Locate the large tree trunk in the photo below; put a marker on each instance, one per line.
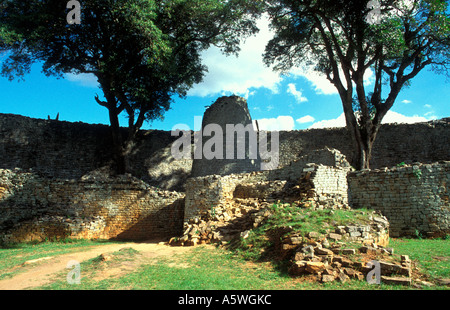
(364, 141)
(119, 154)
(119, 148)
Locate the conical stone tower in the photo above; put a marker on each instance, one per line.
(229, 143)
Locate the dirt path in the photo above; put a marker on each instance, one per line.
(44, 270)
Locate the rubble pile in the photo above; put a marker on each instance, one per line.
(327, 261)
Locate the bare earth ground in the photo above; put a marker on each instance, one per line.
(42, 272)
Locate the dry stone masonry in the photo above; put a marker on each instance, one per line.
(322, 185)
(37, 208)
(55, 180)
(224, 112)
(69, 150)
(415, 198)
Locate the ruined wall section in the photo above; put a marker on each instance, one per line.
(320, 186)
(414, 198)
(71, 150)
(420, 142)
(33, 207)
(232, 110)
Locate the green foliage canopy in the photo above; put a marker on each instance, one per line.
(143, 52)
(342, 40)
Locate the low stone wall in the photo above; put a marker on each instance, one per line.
(329, 186)
(324, 186)
(414, 198)
(33, 207)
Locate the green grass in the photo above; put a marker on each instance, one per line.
(207, 269)
(219, 269)
(304, 220)
(17, 253)
(431, 255)
(259, 244)
(247, 264)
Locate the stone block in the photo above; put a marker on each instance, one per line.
(396, 280)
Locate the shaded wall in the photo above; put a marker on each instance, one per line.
(33, 207)
(71, 150)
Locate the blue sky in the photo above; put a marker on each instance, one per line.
(301, 100)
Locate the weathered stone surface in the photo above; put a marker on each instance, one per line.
(295, 240)
(348, 251)
(413, 198)
(353, 274)
(40, 208)
(327, 278)
(342, 277)
(396, 280)
(323, 251)
(315, 267)
(368, 250)
(390, 268)
(298, 268)
(69, 192)
(335, 236)
(313, 234)
(85, 147)
(225, 112)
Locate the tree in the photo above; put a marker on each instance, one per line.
(343, 39)
(143, 52)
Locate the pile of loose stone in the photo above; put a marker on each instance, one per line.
(342, 254)
(328, 260)
(224, 223)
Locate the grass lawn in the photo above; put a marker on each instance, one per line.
(432, 256)
(244, 267)
(204, 268)
(210, 268)
(16, 254)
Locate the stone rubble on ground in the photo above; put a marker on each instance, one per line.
(326, 257)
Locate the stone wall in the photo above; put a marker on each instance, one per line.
(323, 186)
(33, 207)
(420, 142)
(329, 185)
(414, 198)
(71, 150)
(219, 116)
(54, 180)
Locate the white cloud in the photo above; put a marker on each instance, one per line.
(320, 83)
(281, 123)
(238, 74)
(248, 93)
(406, 101)
(430, 115)
(83, 79)
(305, 119)
(337, 122)
(394, 117)
(296, 93)
(390, 117)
